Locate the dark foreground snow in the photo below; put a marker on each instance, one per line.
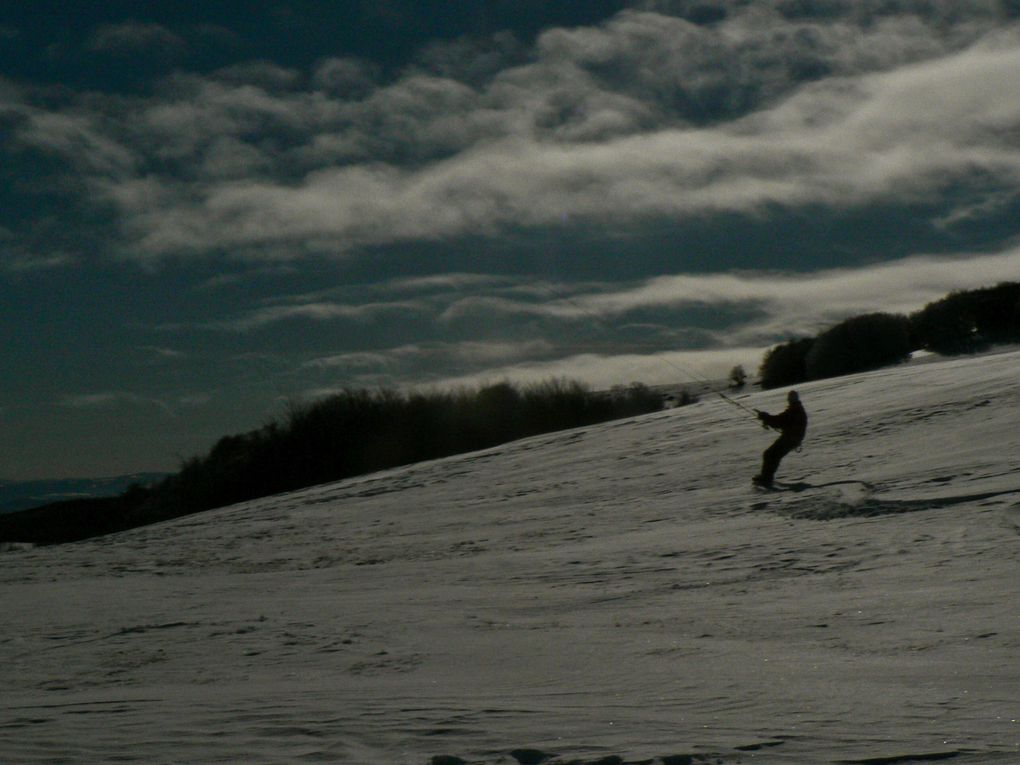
(617, 593)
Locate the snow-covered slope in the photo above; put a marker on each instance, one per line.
(616, 593)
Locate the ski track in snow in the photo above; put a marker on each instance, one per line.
(618, 593)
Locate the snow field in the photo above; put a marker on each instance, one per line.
(617, 593)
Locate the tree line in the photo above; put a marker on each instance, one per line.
(962, 322)
(350, 433)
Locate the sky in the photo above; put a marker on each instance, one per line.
(209, 214)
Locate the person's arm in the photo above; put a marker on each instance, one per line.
(774, 421)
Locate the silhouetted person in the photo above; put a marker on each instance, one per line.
(792, 425)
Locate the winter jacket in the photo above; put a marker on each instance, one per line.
(792, 422)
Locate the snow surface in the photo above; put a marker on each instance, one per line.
(614, 593)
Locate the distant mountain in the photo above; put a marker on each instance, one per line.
(22, 495)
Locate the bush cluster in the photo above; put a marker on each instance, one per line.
(969, 321)
(859, 344)
(347, 434)
(785, 364)
(962, 322)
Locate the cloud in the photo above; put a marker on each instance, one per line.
(746, 312)
(784, 306)
(195, 400)
(648, 117)
(16, 259)
(475, 60)
(893, 137)
(603, 372)
(76, 138)
(251, 107)
(161, 353)
(245, 277)
(114, 400)
(779, 304)
(487, 353)
(428, 360)
(804, 305)
(354, 362)
(346, 78)
(319, 312)
(262, 74)
(131, 38)
(446, 282)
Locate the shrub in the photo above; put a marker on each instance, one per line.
(965, 322)
(634, 399)
(997, 313)
(946, 326)
(858, 344)
(687, 397)
(785, 364)
(738, 377)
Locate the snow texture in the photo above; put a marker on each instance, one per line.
(618, 593)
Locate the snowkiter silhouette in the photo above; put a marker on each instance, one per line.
(792, 425)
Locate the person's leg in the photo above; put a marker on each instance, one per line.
(770, 460)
